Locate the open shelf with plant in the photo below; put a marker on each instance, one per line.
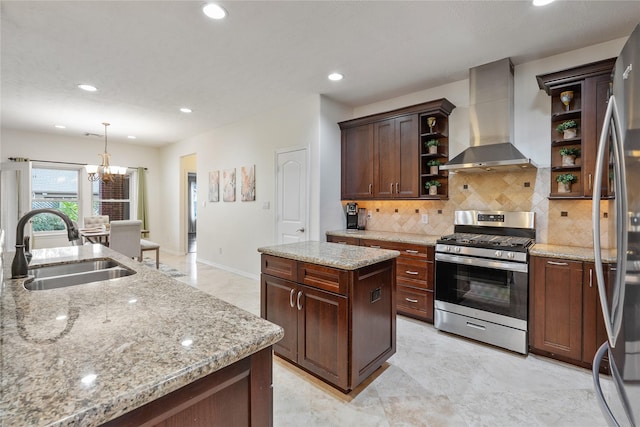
(578, 102)
(434, 152)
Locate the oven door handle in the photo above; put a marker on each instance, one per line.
(482, 262)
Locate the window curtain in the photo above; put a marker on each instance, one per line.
(143, 213)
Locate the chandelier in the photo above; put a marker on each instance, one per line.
(104, 172)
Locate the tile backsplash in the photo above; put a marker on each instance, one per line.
(561, 222)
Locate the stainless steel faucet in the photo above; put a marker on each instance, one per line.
(20, 263)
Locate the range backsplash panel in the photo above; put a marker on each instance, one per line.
(560, 222)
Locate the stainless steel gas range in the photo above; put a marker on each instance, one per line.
(482, 277)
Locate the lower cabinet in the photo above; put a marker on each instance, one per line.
(339, 325)
(414, 274)
(565, 320)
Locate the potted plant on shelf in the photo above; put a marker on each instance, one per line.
(432, 186)
(434, 164)
(432, 146)
(564, 182)
(569, 128)
(569, 155)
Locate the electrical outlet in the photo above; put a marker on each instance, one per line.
(425, 219)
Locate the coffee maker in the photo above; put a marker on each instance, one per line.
(352, 216)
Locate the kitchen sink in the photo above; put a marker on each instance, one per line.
(78, 273)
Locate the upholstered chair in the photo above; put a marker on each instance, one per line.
(124, 237)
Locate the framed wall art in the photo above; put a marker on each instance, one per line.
(229, 185)
(248, 183)
(214, 186)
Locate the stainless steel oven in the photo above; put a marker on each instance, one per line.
(482, 278)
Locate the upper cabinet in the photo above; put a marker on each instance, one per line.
(387, 155)
(578, 103)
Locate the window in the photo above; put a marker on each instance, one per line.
(112, 198)
(54, 189)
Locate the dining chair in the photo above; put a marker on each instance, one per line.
(97, 221)
(124, 237)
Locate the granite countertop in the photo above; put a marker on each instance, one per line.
(131, 333)
(389, 236)
(575, 253)
(344, 257)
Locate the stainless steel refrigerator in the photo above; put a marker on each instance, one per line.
(620, 141)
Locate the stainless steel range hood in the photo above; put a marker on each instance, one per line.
(491, 121)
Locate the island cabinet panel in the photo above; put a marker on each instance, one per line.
(339, 324)
(238, 395)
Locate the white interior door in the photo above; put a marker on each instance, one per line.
(15, 198)
(292, 196)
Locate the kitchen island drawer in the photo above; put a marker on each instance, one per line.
(414, 302)
(321, 277)
(279, 267)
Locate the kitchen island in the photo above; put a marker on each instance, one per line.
(336, 304)
(141, 348)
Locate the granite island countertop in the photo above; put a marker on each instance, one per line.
(345, 257)
(389, 236)
(141, 336)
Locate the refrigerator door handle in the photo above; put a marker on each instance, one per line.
(613, 317)
(604, 406)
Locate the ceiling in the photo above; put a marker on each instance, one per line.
(149, 58)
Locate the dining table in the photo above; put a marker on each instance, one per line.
(100, 234)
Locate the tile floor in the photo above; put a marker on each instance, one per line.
(434, 379)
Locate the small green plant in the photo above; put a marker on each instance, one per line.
(432, 143)
(569, 124)
(433, 183)
(434, 163)
(566, 178)
(570, 151)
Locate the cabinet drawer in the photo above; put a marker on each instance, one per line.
(279, 267)
(407, 250)
(321, 277)
(414, 302)
(415, 271)
(344, 240)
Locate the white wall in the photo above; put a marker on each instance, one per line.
(229, 233)
(64, 148)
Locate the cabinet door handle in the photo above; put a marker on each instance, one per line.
(591, 277)
(411, 300)
(414, 273)
(370, 187)
(298, 300)
(590, 182)
(293, 291)
(391, 188)
(557, 263)
(411, 251)
(397, 188)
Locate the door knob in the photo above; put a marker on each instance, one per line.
(300, 230)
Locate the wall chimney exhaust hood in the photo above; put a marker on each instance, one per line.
(491, 121)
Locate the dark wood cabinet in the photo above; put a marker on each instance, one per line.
(386, 155)
(357, 162)
(589, 87)
(339, 325)
(396, 157)
(240, 394)
(414, 274)
(565, 316)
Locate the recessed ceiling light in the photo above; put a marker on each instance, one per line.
(186, 110)
(214, 11)
(131, 137)
(60, 126)
(335, 77)
(88, 88)
(541, 2)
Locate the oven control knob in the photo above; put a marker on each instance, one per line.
(510, 255)
(498, 254)
(457, 249)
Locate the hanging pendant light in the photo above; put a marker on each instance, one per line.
(104, 172)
